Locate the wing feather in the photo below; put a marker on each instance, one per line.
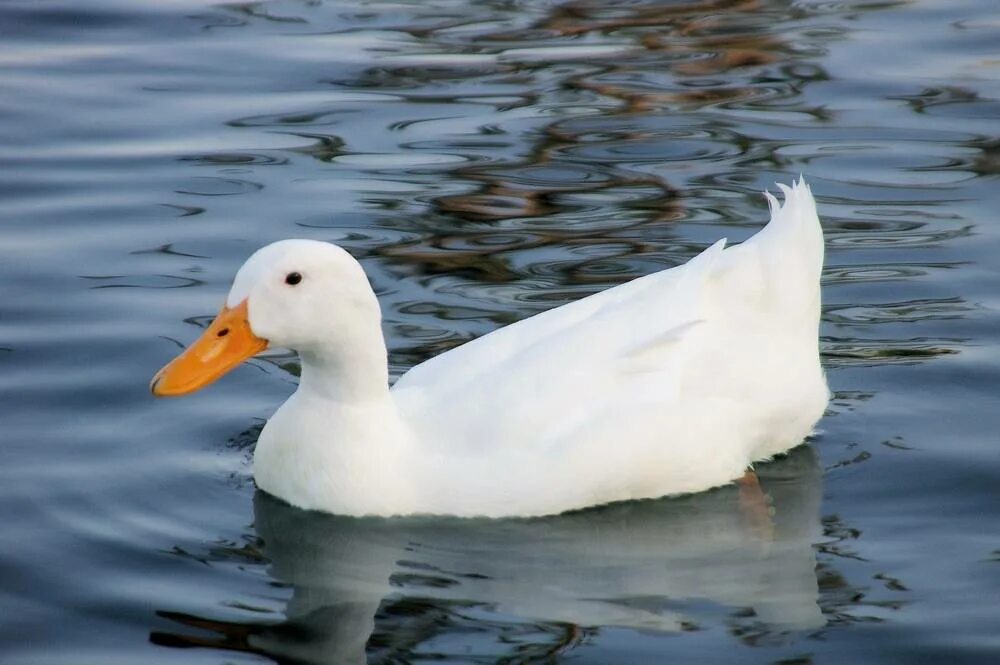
(560, 366)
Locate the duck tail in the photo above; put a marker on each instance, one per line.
(795, 227)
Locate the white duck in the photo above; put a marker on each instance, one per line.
(674, 382)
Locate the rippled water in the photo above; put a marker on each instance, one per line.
(489, 160)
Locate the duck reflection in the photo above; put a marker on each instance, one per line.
(373, 588)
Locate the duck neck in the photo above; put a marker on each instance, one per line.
(354, 372)
(338, 444)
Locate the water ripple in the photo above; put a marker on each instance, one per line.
(487, 161)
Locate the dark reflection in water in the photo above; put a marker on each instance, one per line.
(396, 589)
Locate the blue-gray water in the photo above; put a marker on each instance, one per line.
(488, 160)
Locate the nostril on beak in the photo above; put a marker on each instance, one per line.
(222, 333)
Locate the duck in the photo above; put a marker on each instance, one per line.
(672, 383)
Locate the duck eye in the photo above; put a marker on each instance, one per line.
(293, 278)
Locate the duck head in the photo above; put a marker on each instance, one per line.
(309, 296)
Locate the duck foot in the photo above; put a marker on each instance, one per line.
(755, 505)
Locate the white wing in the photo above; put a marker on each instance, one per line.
(697, 334)
(545, 375)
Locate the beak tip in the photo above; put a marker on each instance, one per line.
(158, 387)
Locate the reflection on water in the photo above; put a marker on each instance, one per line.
(399, 588)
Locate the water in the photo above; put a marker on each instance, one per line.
(487, 161)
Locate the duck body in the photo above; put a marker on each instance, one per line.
(672, 383)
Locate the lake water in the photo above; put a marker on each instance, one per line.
(488, 160)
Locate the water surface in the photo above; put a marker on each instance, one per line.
(487, 161)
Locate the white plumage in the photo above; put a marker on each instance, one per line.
(671, 383)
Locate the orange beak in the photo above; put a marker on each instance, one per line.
(224, 345)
